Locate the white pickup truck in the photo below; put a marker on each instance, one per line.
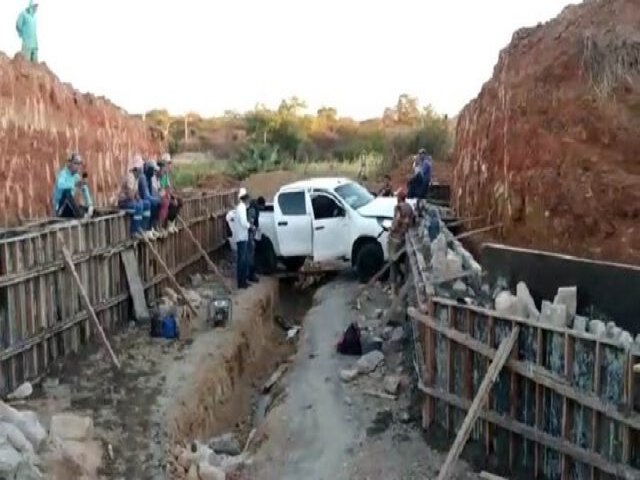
(325, 219)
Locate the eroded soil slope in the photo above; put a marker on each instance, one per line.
(42, 120)
(550, 146)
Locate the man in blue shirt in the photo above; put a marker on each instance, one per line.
(64, 192)
(26, 28)
(424, 160)
(150, 215)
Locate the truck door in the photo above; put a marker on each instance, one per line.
(331, 238)
(292, 214)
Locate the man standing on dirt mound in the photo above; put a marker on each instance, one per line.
(26, 28)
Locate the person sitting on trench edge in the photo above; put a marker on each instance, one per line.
(129, 198)
(64, 193)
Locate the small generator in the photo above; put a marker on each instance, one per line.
(219, 311)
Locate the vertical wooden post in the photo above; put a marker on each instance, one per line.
(502, 355)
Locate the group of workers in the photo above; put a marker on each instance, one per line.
(244, 228)
(146, 193)
(404, 215)
(418, 182)
(26, 28)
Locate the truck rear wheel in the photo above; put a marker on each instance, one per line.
(266, 261)
(369, 260)
(293, 264)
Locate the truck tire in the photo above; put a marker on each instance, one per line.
(267, 262)
(370, 259)
(293, 264)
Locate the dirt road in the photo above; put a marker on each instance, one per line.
(326, 429)
(312, 433)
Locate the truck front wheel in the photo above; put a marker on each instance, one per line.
(369, 261)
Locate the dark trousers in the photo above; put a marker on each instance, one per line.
(242, 263)
(69, 208)
(174, 209)
(251, 257)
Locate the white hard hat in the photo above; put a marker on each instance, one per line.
(242, 192)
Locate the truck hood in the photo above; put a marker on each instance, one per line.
(381, 207)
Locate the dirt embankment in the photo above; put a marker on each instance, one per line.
(42, 120)
(550, 146)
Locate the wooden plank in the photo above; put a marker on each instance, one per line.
(135, 285)
(474, 410)
(537, 374)
(170, 276)
(618, 470)
(88, 306)
(477, 231)
(595, 417)
(490, 476)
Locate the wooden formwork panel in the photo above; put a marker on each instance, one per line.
(562, 408)
(42, 317)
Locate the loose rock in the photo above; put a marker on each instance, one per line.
(23, 391)
(348, 376)
(369, 362)
(392, 384)
(395, 343)
(526, 302)
(68, 426)
(209, 472)
(226, 444)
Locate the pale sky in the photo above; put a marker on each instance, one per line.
(210, 56)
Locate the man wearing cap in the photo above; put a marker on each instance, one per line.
(241, 230)
(129, 198)
(26, 28)
(149, 216)
(175, 202)
(424, 160)
(64, 192)
(403, 218)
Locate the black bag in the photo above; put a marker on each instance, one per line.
(156, 325)
(350, 343)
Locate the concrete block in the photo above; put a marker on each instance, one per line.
(553, 314)
(626, 340)
(567, 296)
(597, 328)
(580, 323)
(506, 303)
(527, 304)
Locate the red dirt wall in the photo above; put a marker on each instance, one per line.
(551, 145)
(41, 121)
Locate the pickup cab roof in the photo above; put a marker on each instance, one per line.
(328, 183)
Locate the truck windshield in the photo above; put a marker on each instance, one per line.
(354, 195)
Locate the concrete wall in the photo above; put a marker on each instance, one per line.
(613, 289)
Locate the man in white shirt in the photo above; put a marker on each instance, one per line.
(241, 234)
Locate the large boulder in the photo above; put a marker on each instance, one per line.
(549, 146)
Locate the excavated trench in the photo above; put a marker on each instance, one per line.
(170, 393)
